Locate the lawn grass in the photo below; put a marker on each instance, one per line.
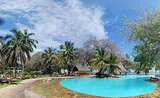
(14, 81)
(3, 85)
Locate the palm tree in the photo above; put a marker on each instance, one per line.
(28, 41)
(2, 42)
(17, 49)
(126, 62)
(67, 55)
(100, 61)
(4, 38)
(112, 61)
(49, 58)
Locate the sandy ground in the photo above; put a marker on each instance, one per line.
(31, 88)
(55, 90)
(18, 91)
(22, 89)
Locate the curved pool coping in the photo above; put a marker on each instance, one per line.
(107, 79)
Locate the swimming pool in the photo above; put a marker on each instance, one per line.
(122, 87)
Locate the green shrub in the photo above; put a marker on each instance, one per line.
(8, 72)
(24, 73)
(36, 73)
(1, 72)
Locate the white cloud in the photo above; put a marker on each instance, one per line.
(55, 21)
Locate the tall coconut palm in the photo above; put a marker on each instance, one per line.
(4, 38)
(126, 62)
(28, 41)
(112, 61)
(100, 61)
(2, 42)
(49, 58)
(17, 49)
(67, 55)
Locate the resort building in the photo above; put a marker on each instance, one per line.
(81, 70)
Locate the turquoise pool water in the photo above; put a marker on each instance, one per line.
(122, 87)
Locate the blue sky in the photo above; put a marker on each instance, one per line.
(54, 21)
(115, 11)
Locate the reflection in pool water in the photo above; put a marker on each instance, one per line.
(122, 87)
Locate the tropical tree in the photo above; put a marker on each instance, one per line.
(100, 61)
(145, 29)
(66, 53)
(28, 40)
(126, 61)
(31, 43)
(80, 56)
(145, 58)
(49, 58)
(112, 61)
(106, 44)
(138, 67)
(17, 49)
(91, 45)
(2, 61)
(2, 42)
(4, 38)
(35, 63)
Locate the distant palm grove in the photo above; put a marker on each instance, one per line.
(17, 47)
(101, 55)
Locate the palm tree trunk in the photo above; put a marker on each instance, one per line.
(155, 73)
(10, 77)
(99, 74)
(69, 70)
(22, 70)
(15, 72)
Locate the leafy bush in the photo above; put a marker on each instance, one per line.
(1, 72)
(36, 73)
(25, 75)
(8, 72)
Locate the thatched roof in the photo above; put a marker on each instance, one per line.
(81, 68)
